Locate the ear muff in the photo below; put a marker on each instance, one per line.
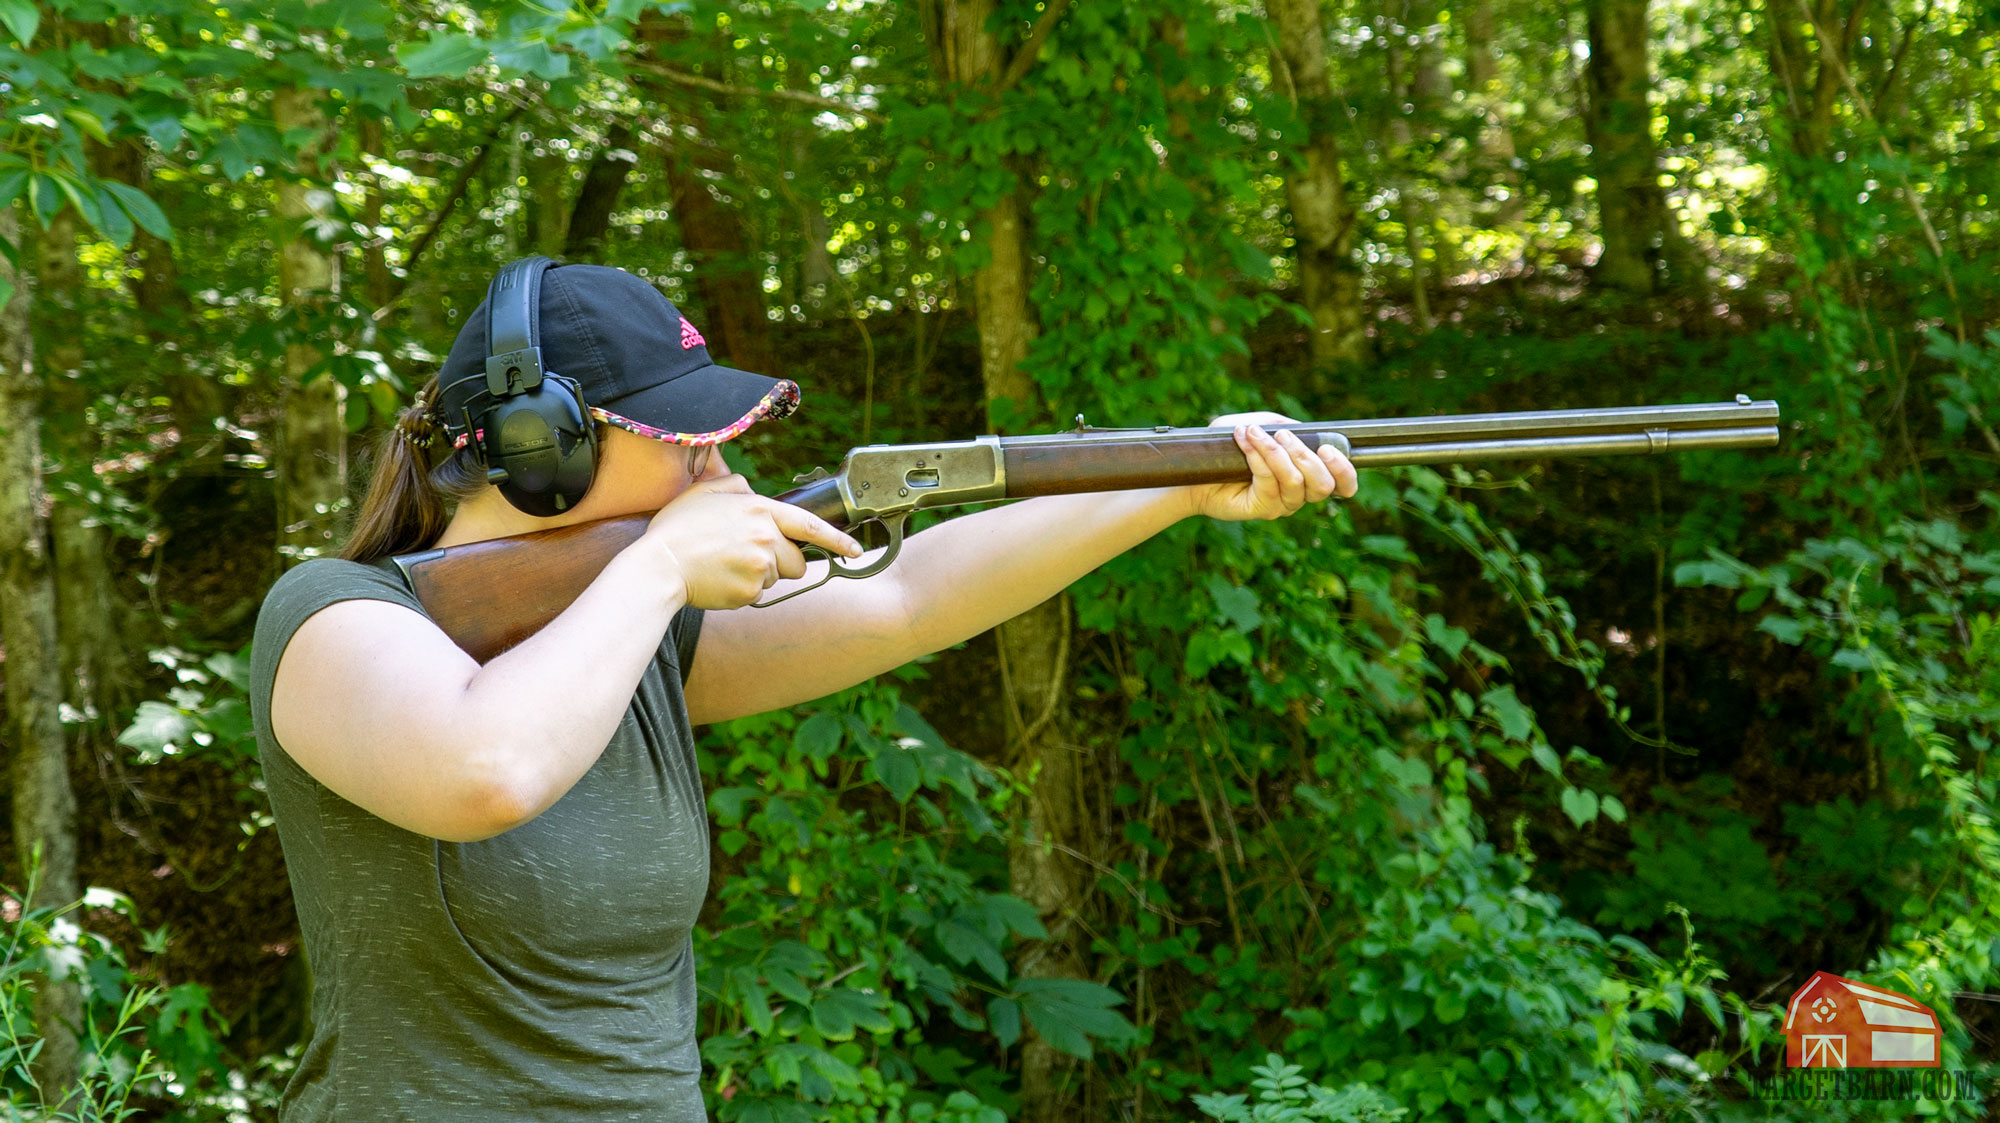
(544, 443)
(535, 435)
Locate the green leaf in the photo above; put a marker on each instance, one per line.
(45, 198)
(11, 185)
(1234, 604)
(964, 945)
(1019, 916)
(1449, 1007)
(1547, 758)
(142, 208)
(1069, 1012)
(1004, 1015)
(726, 804)
(1706, 573)
(21, 18)
(531, 57)
(157, 729)
(818, 736)
(839, 1011)
(1786, 629)
(1516, 723)
(447, 55)
(1579, 805)
(113, 222)
(897, 768)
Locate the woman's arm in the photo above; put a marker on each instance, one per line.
(963, 576)
(380, 706)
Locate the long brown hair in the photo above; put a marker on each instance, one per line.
(405, 508)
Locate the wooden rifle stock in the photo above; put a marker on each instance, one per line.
(489, 596)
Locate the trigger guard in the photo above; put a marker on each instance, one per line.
(892, 523)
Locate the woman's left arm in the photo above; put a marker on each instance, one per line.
(968, 574)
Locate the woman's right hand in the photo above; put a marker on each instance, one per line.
(728, 544)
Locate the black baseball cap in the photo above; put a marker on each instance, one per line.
(639, 363)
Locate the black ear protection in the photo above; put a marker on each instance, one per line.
(532, 431)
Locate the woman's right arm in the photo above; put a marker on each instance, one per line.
(375, 702)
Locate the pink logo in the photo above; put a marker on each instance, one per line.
(689, 337)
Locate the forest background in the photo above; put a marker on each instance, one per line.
(1524, 793)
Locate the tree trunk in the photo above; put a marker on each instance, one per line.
(1496, 135)
(1641, 239)
(815, 275)
(44, 804)
(312, 430)
(380, 288)
(93, 636)
(548, 222)
(590, 218)
(165, 312)
(726, 275)
(1403, 92)
(728, 278)
(1322, 217)
(1033, 647)
(1810, 91)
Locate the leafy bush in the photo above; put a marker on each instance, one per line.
(1284, 1096)
(136, 1038)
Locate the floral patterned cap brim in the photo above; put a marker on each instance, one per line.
(779, 402)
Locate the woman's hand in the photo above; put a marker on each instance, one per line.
(1284, 474)
(728, 544)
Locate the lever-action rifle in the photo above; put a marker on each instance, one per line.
(544, 572)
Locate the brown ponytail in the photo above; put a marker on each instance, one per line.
(405, 507)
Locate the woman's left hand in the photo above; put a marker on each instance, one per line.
(1284, 474)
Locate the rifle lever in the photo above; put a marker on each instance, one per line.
(892, 523)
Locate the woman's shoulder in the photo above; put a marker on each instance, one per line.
(312, 585)
(334, 579)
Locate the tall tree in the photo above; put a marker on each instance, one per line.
(728, 277)
(312, 441)
(93, 634)
(1641, 239)
(1417, 87)
(1496, 132)
(597, 197)
(164, 312)
(1322, 216)
(44, 804)
(1033, 648)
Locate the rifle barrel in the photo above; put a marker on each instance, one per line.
(1085, 459)
(1566, 444)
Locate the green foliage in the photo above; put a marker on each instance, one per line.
(1284, 1096)
(1378, 785)
(136, 1038)
(861, 934)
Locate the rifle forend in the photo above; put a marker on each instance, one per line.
(543, 572)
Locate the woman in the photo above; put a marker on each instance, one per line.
(497, 868)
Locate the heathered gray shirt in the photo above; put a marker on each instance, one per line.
(543, 974)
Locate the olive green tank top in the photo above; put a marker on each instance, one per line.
(543, 974)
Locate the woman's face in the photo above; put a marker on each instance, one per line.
(639, 474)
